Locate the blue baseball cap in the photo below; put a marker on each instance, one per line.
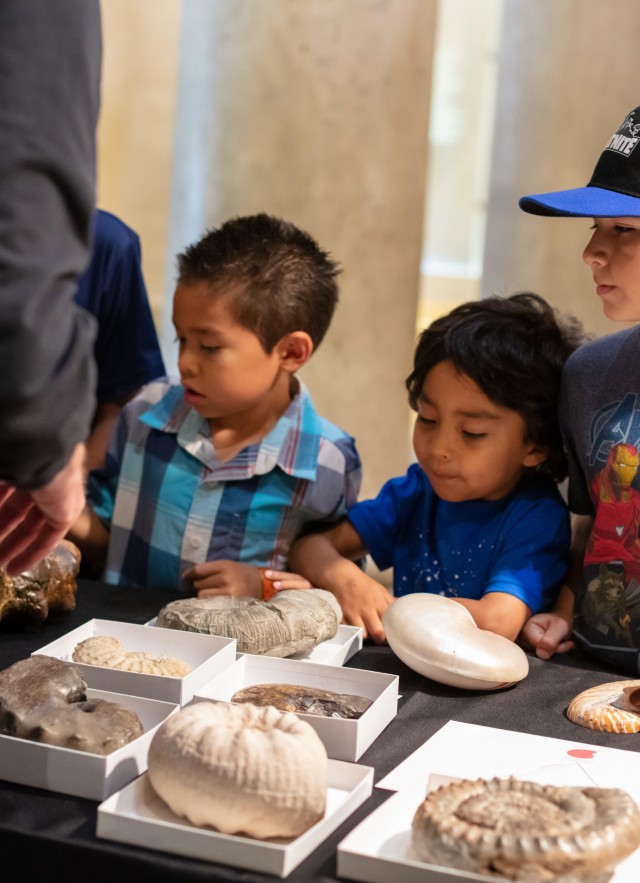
(614, 188)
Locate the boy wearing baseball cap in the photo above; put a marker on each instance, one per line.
(600, 420)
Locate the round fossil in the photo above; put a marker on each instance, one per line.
(438, 638)
(527, 832)
(293, 621)
(240, 769)
(610, 707)
(108, 652)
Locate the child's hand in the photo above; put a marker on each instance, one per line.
(283, 580)
(213, 578)
(363, 601)
(548, 633)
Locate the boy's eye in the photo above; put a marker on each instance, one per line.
(619, 228)
(426, 420)
(474, 435)
(208, 349)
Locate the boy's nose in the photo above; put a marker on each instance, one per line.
(186, 364)
(595, 252)
(441, 445)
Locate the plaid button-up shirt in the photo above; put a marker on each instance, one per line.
(169, 503)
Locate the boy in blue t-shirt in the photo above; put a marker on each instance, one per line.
(479, 517)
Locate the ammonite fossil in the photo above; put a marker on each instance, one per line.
(294, 621)
(241, 769)
(527, 832)
(611, 707)
(438, 638)
(44, 699)
(108, 651)
(309, 700)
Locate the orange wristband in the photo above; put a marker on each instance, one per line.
(268, 592)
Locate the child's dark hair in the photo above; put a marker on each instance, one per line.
(513, 349)
(277, 278)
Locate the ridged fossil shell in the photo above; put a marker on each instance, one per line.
(525, 831)
(309, 700)
(44, 699)
(608, 707)
(292, 622)
(438, 638)
(108, 651)
(240, 769)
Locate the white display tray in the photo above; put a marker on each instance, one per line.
(343, 739)
(136, 815)
(334, 651)
(68, 771)
(379, 849)
(206, 654)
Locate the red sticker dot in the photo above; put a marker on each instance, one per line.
(580, 752)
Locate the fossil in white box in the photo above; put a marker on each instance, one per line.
(240, 769)
(108, 652)
(526, 831)
(292, 622)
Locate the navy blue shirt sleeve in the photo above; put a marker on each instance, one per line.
(113, 290)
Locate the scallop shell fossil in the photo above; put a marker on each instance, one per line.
(241, 769)
(438, 638)
(294, 621)
(525, 831)
(611, 707)
(108, 652)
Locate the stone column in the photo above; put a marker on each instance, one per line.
(568, 75)
(317, 111)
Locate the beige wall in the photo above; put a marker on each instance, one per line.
(569, 72)
(135, 132)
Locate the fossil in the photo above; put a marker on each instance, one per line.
(527, 832)
(611, 707)
(294, 621)
(309, 700)
(49, 585)
(108, 651)
(438, 638)
(44, 699)
(240, 769)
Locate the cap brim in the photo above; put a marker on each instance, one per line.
(583, 202)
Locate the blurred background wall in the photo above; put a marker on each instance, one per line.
(399, 133)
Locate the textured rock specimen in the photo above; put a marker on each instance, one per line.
(108, 652)
(293, 621)
(310, 700)
(44, 699)
(49, 585)
(240, 769)
(527, 832)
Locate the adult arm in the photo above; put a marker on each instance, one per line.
(49, 96)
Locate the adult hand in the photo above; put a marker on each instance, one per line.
(548, 633)
(32, 522)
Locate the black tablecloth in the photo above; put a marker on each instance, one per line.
(52, 836)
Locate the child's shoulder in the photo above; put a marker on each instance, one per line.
(601, 350)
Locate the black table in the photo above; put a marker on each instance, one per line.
(51, 836)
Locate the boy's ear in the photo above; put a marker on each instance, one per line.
(535, 456)
(295, 350)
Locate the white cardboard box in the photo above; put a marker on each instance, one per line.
(136, 815)
(343, 739)
(379, 849)
(206, 654)
(334, 651)
(68, 771)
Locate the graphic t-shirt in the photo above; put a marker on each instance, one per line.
(600, 416)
